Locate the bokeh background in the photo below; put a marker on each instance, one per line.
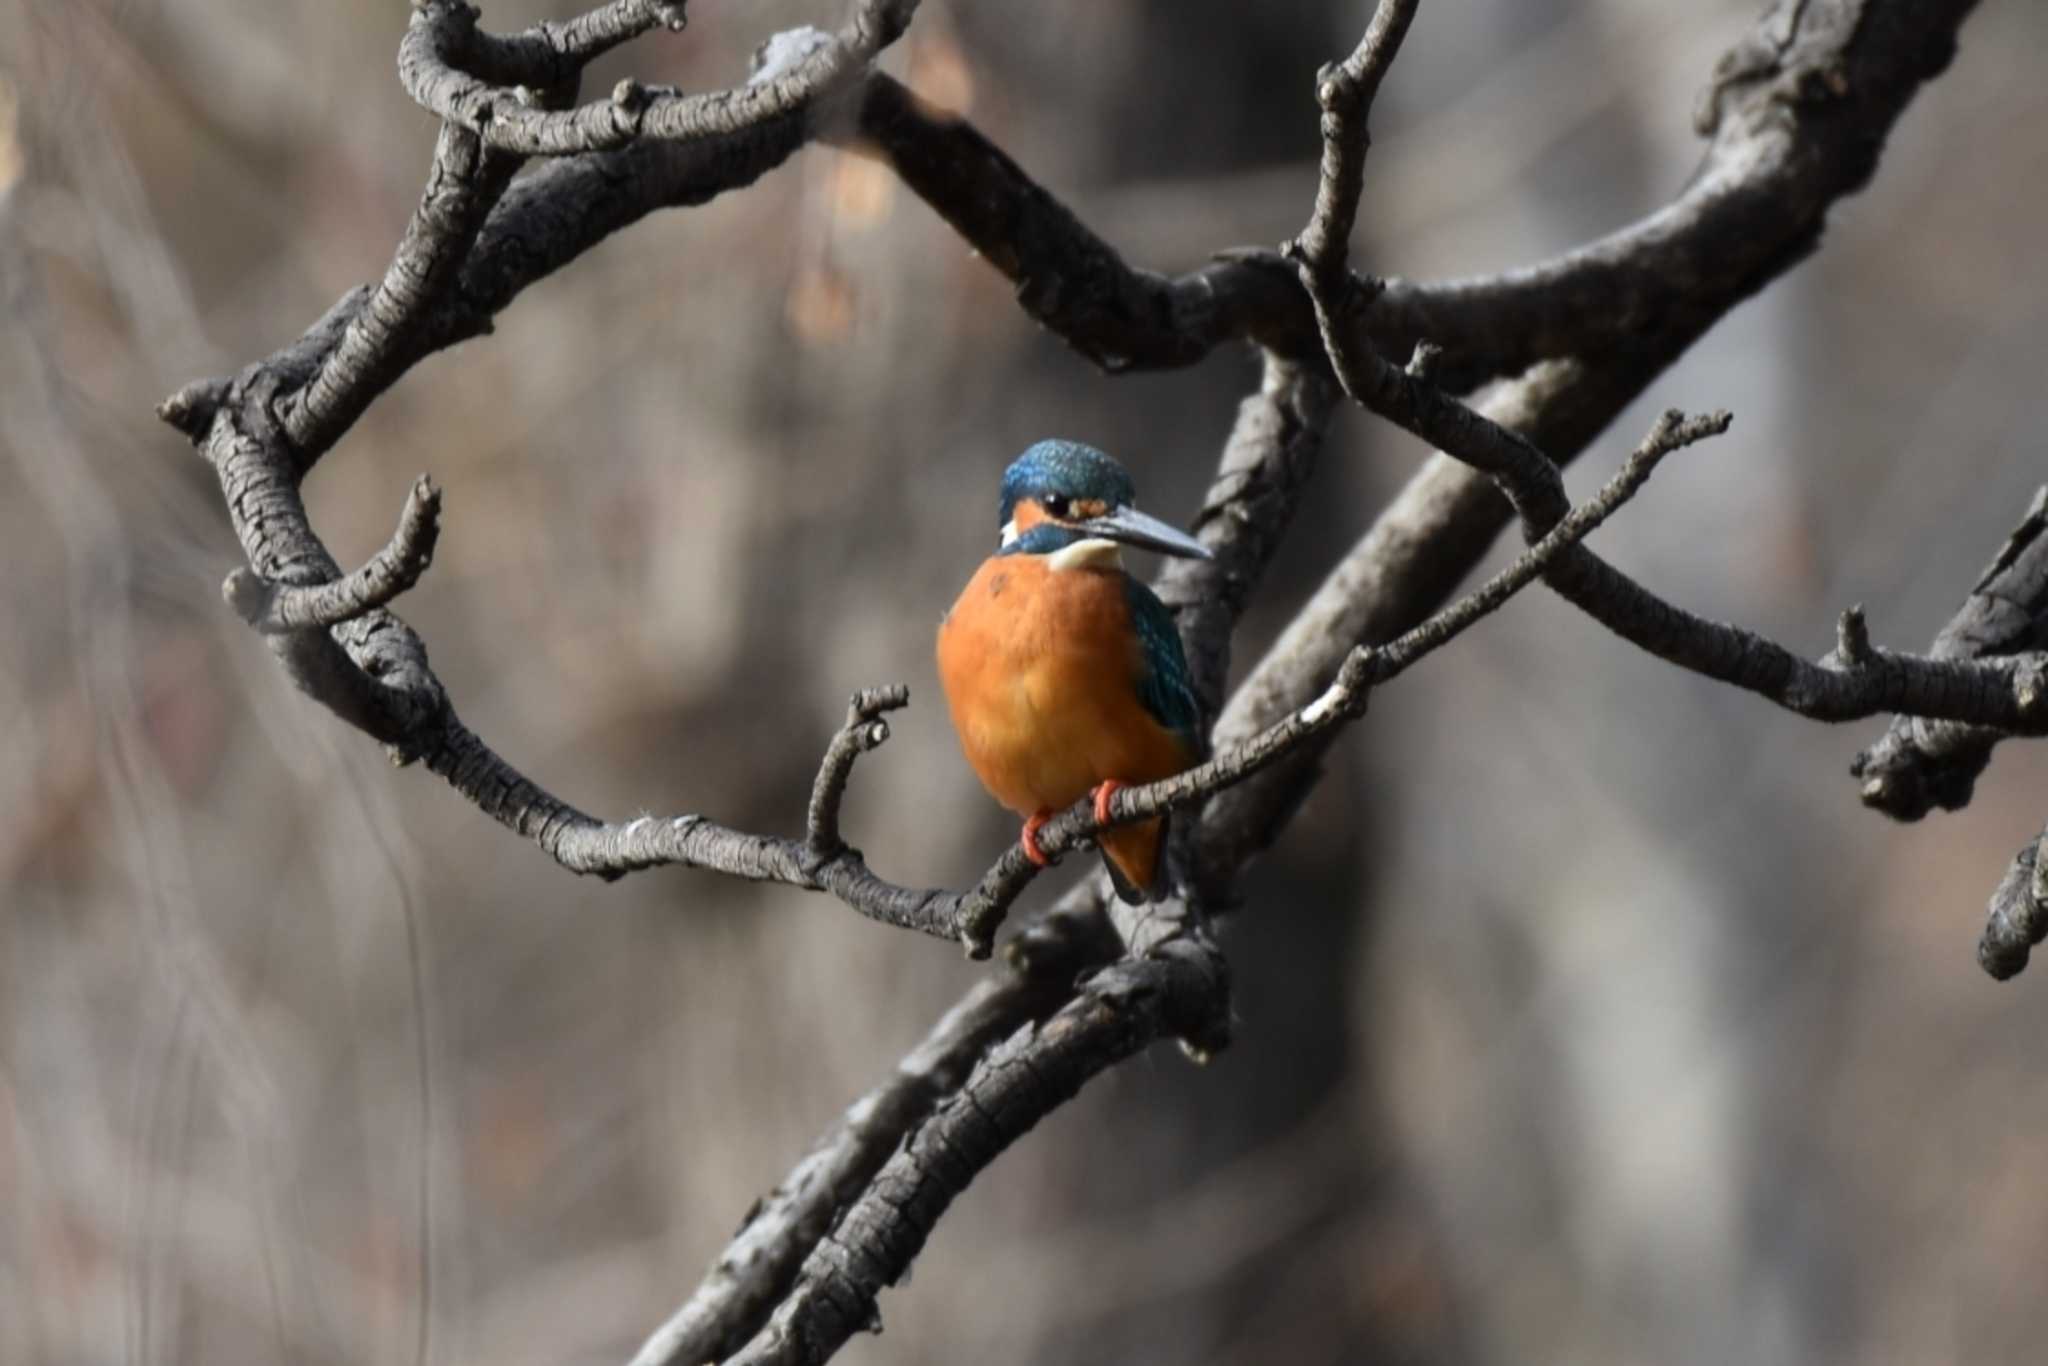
(1583, 1015)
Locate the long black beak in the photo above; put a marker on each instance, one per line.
(1133, 527)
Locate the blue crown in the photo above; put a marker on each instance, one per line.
(1065, 469)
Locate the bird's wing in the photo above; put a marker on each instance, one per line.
(1163, 682)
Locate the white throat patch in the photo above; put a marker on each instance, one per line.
(1093, 553)
(1009, 532)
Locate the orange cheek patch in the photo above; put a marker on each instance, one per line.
(1029, 515)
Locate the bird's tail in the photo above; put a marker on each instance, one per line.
(1135, 856)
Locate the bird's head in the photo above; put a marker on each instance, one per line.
(1062, 496)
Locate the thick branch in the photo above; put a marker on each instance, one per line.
(1119, 1011)
(1918, 764)
(1799, 111)
(757, 1269)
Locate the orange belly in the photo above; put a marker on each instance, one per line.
(1041, 671)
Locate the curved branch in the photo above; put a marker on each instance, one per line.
(865, 730)
(1796, 115)
(433, 64)
(274, 609)
(553, 54)
(2010, 693)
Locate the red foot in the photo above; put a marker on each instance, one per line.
(1030, 839)
(1102, 795)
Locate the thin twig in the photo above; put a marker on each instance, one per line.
(865, 730)
(274, 608)
(1345, 91)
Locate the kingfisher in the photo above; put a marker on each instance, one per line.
(1063, 673)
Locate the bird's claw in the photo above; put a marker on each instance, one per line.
(1102, 795)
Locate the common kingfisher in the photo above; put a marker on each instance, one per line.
(1063, 673)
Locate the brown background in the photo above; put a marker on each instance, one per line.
(1582, 1016)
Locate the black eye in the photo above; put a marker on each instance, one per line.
(1056, 506)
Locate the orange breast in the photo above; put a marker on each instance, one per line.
(1041, 671)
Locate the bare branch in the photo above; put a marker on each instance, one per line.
(274, 609)
(552, 54)
(1067, 277)
(2008, 693)
(1345, 91)
(433, 66)
(1918, 764)
(760, 1265)
(1272, 452)
(1790, 137)
(1119, 1011)
(376, 347)
(864, 730)
(2017, 918)
(1673, 432)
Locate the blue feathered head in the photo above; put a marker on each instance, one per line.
(1060, 474)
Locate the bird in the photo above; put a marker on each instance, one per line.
(1063, 674)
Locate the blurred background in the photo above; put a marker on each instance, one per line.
(1583, 1015)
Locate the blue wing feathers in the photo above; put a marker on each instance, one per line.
(1163, 685)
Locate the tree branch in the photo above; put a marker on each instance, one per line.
(380, 339)
(433, 64)
(1919, 764)
(1346, 92)
(757, 1269)
(1119, 1011)
(1796, 116)
(2017, 918)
